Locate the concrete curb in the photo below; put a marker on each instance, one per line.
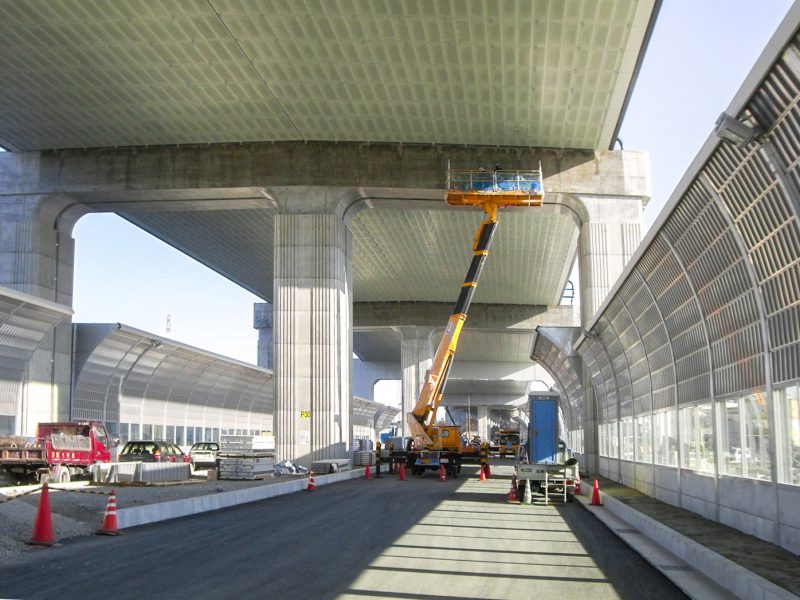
(152, 513)
(734, 578)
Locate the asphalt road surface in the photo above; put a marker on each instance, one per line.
(419, 539)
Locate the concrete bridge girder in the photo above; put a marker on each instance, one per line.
(298, 187)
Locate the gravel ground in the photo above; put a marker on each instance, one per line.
(77, 513)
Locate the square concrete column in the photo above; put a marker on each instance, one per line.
(416, 357)
(483, 422)
(262, 322)
(609, 236)
(37, 254)
(313, 337)
(607, 241)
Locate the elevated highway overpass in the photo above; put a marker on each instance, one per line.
(311, 170)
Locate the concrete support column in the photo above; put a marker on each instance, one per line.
(483, 422)
(591, 426)
(608, 238)
(416, 357)
(262, 322)
(313, 336)
(611, 230)
(37, 255)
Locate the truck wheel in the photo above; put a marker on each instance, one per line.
(520, 491)
(570, 497)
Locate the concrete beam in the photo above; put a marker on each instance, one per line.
(352, 164)
(481, 316)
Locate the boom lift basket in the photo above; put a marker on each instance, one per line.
(513, 187)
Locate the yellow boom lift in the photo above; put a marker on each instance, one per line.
(435, 445)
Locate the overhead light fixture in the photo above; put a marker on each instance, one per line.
(734, 131)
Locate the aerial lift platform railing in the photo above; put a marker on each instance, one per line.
(488, 190)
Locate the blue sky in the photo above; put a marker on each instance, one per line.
(700, 53)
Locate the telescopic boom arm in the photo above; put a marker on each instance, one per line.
(489, 191)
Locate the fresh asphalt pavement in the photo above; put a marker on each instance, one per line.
(384, 538)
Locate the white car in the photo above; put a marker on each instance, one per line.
(203, 455)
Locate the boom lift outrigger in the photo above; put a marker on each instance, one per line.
(441, 445)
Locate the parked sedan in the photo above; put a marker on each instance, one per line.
(151, 451)
(203, 455)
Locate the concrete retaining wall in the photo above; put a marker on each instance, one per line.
(151, 513)
(759, 508)
(736, 579)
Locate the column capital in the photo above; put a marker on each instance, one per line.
(408, 332)
(596, 208)
(340, 201)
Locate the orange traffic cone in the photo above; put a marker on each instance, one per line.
(312, 483)
(43, 526)
(110, 519)
(402, 471)
(366, 473)
(483, 473)
(488, 471)
(596, 494)
(441, 473)
(512, 493)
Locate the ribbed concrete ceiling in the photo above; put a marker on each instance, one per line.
(398, 255)
(89, 73)
(540, 73)
(423, 255)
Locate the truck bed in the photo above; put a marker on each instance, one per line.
(11, 455)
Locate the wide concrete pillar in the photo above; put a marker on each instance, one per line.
(416, 357)
(610, 233)
(313, 337)
(37, 256)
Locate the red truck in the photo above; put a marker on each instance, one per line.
(60, 452)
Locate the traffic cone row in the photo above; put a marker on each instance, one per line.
(312, 483)
(43, 524)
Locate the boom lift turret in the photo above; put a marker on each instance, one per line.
(436, 445)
